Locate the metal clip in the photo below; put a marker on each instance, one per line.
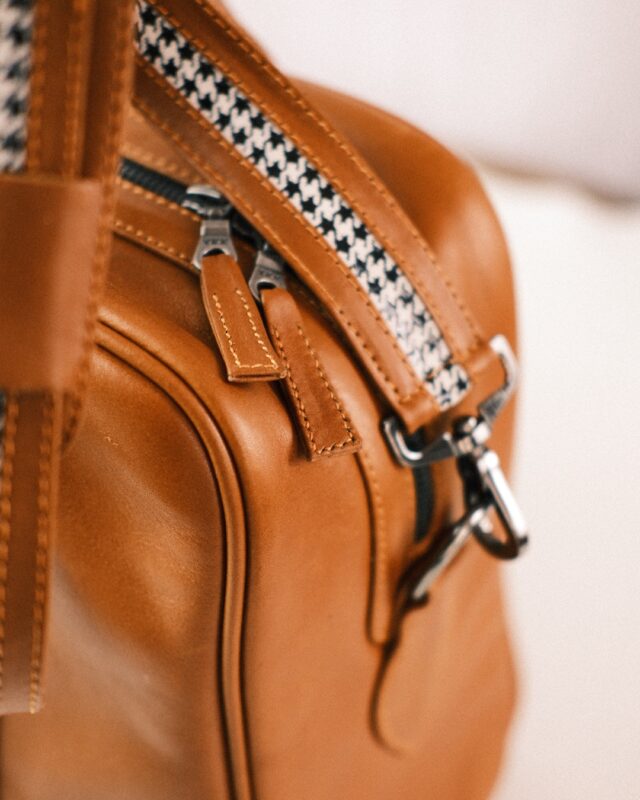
(485, 486)
(445, 548)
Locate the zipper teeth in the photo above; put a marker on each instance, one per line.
(155, 182)
(175, 192)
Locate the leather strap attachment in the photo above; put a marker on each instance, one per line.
(47, 241)
(325, 427)
(236, 322)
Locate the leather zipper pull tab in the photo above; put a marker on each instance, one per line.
(324, 425)
(236, 322)
(233, 315)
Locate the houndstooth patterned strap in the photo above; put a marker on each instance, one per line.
(263, 143)
(16, 20)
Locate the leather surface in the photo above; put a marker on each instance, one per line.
(221, 603)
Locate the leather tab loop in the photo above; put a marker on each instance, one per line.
(324, 425)
(47, 246)
(236, 322)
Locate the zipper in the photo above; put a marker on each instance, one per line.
(423, 483)
(220, 222)
(215, 227)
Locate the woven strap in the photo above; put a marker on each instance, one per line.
(61, 115)
(64, 69)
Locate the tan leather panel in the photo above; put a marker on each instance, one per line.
(136, 612)
(236, 323)
(45, 278)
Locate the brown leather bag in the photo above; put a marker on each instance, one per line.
(247, 499)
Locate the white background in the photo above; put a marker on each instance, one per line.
(546, 86)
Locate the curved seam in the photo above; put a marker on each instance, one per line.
(209, 417)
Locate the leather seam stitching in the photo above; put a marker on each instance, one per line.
(37, 83)
(42, 551)
(346, 422)
(142, 236)
(6, 493)
(161, 201)
(306, 423)
(259, 339)
(309, 435)
(73, 85)
(107, 156)
(230, 344)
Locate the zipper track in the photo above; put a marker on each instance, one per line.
(152, 181)
(175, 192)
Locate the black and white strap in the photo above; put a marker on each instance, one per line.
(16, 19)
(263, 143)
(16, 22)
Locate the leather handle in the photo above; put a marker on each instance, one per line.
(73, 67)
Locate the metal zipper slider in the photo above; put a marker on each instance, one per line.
(268, 272)
(215, 228)
(234, 318)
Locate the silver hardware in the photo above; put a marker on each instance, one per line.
(493, 405)
(496, 487)
(443, 553)
(463, 440)
(206, 201)
(215, 228)
(484, 483)
(445, 446)
(268, 272)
